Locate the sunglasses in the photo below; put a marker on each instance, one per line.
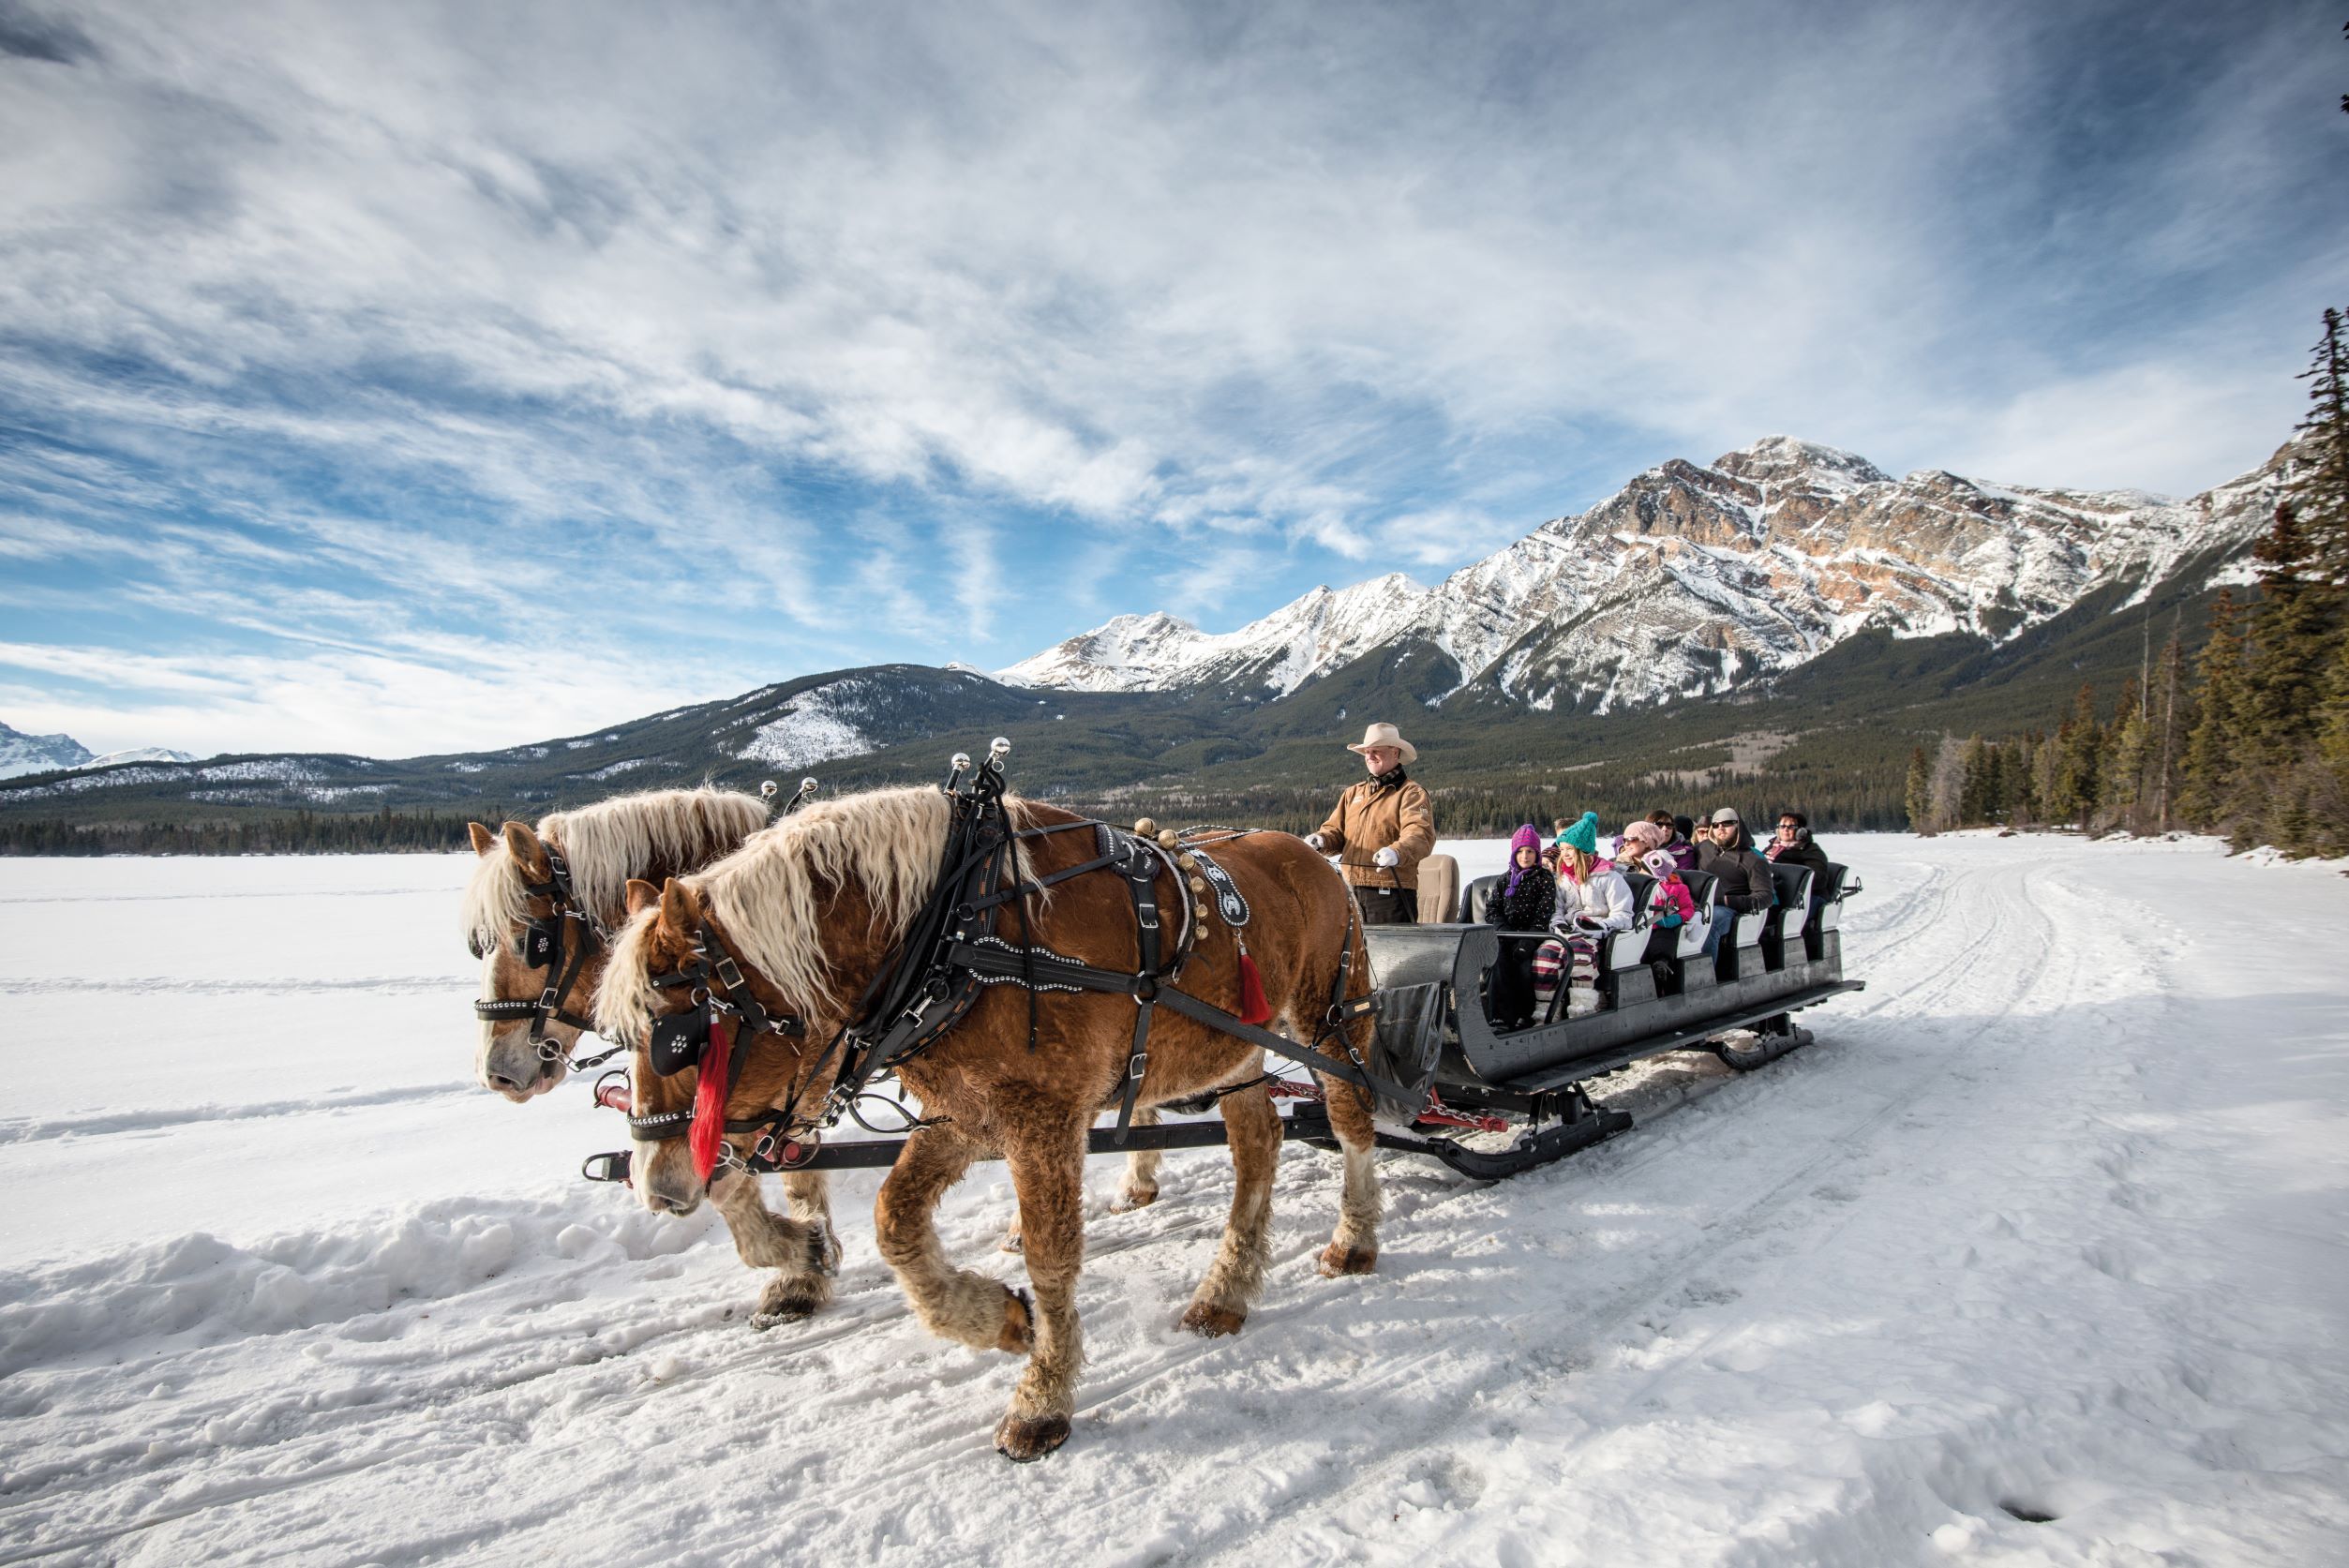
(1788, 826)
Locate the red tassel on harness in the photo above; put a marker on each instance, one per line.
(709, 1129)
(1253, 1007)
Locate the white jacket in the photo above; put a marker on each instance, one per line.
(1604, 899)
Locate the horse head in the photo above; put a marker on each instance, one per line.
(517, 924)
(697, 1069)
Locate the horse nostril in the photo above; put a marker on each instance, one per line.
(500, 1081)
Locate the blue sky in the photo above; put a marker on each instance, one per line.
(414, 378)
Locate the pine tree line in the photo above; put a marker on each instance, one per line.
(2254, 743)
(300, 834)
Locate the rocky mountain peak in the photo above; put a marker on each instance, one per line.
(1692, 579)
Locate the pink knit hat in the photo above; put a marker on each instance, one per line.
(1645, 833)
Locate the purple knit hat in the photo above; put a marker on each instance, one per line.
(1527, 836)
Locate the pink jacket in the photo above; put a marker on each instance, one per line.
(1671, 897)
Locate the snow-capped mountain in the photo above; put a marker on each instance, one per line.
(21, 753)
(1691, 580)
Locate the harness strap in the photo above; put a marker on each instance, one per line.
(1142, 881)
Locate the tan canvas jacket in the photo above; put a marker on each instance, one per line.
(1367, 818)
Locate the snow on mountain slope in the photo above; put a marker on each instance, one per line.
(810, 727)
(140, 753)
(2045, 1271)
(21, 753)
(1690, 580)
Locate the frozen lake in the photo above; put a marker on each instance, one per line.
(2036, 1256)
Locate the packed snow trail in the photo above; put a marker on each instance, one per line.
(2034, 1257)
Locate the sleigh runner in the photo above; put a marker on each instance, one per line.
(1445, 1082)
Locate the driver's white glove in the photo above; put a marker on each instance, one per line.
(1315, 841)
(1386, 859)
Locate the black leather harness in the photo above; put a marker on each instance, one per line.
(950, 952)
(559, 943)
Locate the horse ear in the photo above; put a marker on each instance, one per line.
(642, 895)
(528, 852)
(680, 909)
(483, 840)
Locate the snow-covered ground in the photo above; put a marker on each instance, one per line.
(2036, 1256)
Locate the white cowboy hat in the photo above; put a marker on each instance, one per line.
(1387, 734)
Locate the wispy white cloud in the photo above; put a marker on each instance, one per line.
(720, 337)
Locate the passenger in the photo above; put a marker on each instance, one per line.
(1676, 839)
(1525, 900)
(1794, 847)
(1593, 900)
(1745, 876)
(1672, 906)
(1639, 839)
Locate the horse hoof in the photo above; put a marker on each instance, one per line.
(789, 1300)
(1018, 1336)
(1023, 1440)
(1133, 1198)
(1336, 1261)
(1213, 1322)
(1011, 1242)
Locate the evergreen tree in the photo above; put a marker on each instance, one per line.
(2291, 643)
(1973, 793)
(2214, 749)
(2079, 743)
(2319, 489)
(2122, 775)
(1916, 794)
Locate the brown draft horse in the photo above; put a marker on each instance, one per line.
(813, 906)
(653, 833)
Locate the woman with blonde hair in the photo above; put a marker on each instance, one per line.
(1592, 901)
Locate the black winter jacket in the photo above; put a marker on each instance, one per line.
(1529, 907)
(1745, 881)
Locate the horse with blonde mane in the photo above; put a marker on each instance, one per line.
(812, 913)
(517, 910)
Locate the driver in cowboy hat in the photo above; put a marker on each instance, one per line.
(1380, 829)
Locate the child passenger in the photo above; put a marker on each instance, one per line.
(1592, 901)
(1525, 900)
(1673, 904)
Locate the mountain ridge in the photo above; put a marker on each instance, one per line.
(1692, 579)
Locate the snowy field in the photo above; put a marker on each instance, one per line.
(2035, 1257)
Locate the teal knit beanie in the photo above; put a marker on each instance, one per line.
(1584, 835)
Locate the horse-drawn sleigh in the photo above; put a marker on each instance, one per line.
(1018, 971)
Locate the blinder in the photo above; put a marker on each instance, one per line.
(679, 1038)
(542, 943)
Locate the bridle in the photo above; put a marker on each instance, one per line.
(553, 945)
(560, 942)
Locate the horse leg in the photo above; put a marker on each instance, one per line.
(1048, 1174)
(1141, 1189)
(1142, 1180)
(1353, 1248)
(764, 1239)
(1221, 1302)
(954, 1303)
(810, 1195)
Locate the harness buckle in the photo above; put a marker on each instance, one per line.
(728, 975)
(547, 1000)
